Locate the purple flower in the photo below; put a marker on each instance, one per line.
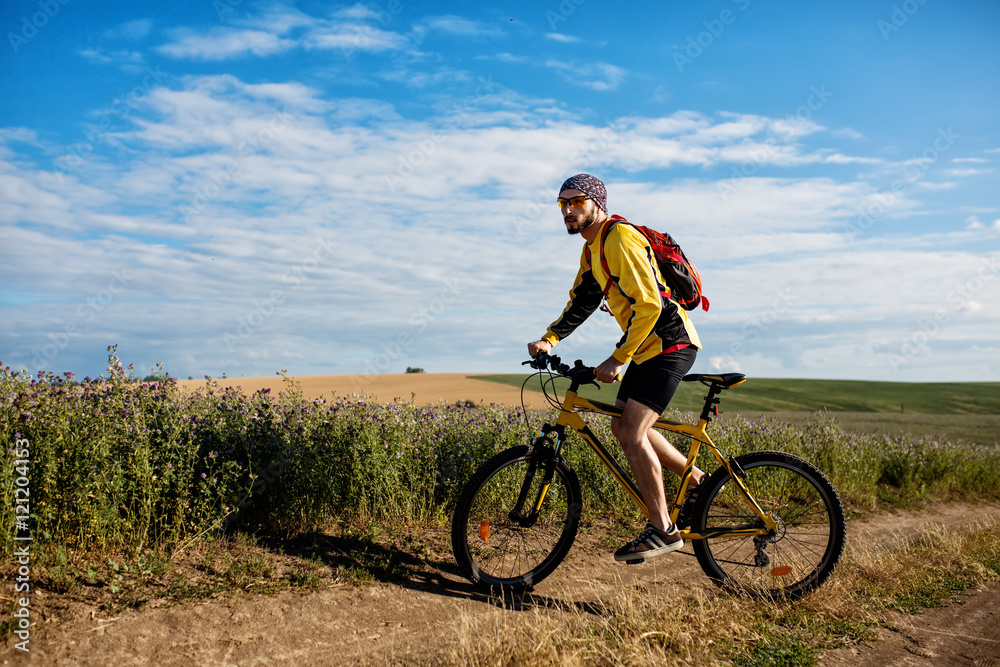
(203, 475)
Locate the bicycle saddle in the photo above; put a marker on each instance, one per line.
(727, 380)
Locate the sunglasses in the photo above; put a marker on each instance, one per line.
(575, 202)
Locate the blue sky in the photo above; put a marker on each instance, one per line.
(238, 187)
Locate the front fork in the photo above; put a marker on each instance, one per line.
(545, 464)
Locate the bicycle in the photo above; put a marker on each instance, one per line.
(767, 523)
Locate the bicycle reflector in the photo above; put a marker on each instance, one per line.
(782, 571)
(484, 531)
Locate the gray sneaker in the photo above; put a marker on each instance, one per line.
(651, 542)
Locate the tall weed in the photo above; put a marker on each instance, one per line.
(118, 464)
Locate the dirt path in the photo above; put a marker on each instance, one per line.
(408, 621)
(964, 634)
(952, 635)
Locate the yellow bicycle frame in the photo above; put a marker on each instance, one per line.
(569, 416)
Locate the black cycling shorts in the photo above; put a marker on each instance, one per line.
(654, 381)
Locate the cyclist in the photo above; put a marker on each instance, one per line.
(659, 345)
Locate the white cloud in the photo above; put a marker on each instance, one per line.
(613, 76)
(220, 43)
(354, 37)
(426, 79)
(281, 19)
(724, 365)
(504, 58)
(456, 25)
(678, 123)
(601, 77)
(339, 230)
(130, 30)
(565, 39)
(123, 58)
(961, 173)
(930, 185)
(848, 133)
(280, 29)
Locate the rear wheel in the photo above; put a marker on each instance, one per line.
(498, 539)
(796, 557)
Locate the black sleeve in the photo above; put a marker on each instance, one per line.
(584, 298)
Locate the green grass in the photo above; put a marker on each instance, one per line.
(976, 429)
(782, 395)
(956, 411)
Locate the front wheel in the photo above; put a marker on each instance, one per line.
(500, 537)
(796, 557)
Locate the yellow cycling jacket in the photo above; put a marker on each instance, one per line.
(651, 322)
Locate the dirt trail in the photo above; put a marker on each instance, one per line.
(408, 621)
(952, 635)
(958, 634)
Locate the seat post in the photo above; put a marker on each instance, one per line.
(711, 400)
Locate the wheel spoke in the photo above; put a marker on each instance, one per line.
(803, 548)
(515, 554)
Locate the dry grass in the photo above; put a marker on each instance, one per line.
(907, 574)
(702, 627)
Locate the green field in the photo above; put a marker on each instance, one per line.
(967, 411)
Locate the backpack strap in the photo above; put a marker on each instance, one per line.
(615, 219)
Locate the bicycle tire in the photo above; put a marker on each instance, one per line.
(510, 557)
(796, 558)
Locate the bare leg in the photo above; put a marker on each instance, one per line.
(631, 430)
(669, 456)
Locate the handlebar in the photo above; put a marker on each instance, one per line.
(578, 372)
(543, 361)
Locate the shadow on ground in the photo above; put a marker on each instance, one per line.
(364, 559)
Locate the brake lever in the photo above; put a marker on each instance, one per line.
(540, 361)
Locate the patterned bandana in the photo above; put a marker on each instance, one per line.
(590, 186)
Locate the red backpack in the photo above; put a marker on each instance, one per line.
(679, 273)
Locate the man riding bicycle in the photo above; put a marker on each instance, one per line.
(659, 345)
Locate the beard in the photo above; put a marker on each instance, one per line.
(582, 223)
